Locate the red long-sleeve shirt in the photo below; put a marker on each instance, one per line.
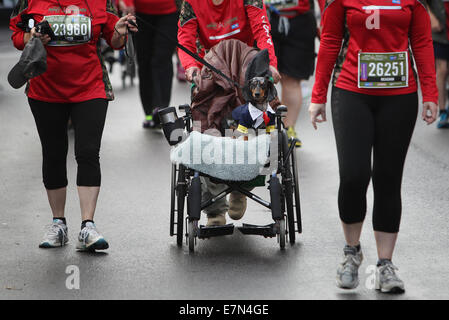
(74, 73)
(245, 20)
(291, 11)
(403, 24)
(156, 7)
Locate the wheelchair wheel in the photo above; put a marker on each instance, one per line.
(288, 190)
(180, 191)
(191, 234)
(282, 234)
(297, 204)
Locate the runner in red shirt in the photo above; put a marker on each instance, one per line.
(215, 20)
(75, 86)
(154, 53)
(374, 110)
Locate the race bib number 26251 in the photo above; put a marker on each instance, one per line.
(383, 70)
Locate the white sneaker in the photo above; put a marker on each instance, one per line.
(55, 236)
(387, 280)
(348, 270)
(90, 239)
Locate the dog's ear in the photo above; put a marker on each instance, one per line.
(272, 92)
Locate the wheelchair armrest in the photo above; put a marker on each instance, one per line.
(281, 110)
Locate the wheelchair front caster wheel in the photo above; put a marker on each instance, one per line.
(192, 229)
(282, 234)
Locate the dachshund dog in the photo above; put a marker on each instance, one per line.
(259, 89)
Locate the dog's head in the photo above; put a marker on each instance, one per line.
(259, 89)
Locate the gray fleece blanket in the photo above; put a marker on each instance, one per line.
(224, 157)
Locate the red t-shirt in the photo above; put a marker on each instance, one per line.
(403, 25)
(245, 20)
(156, 7)
(291, 10)
(74, 73)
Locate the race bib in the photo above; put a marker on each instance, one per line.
(70, 30)
(383, 70)
(282, 4)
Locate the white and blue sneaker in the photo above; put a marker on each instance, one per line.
(55, 235)
(90, 239)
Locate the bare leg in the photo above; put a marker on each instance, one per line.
(88, 201)
(442, 75)
(292, 98)
(385, 244)
(57, 198)
(352, 233)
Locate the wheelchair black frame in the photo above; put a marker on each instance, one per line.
(183, 178)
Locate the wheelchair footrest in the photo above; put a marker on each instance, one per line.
(215, 231)
(268, 231)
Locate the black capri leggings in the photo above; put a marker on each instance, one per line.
(88, 119)
(373, 134)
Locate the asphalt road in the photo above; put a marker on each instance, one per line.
(143, 262)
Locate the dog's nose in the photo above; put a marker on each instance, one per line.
(257, 94)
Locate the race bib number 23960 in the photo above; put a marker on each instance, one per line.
(383, 70)
(70, 29)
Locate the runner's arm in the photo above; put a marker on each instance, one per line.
(261, 28)
(113, 38)
(422, 48)
(331, 40)
(187, 33)
(19, 36)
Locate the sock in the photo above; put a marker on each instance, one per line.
(83, 224)
(381, 262)
(60, 218)
(357, 247)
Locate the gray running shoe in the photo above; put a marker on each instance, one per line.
(55, 236)
(387, 280)
(90, 239)
(348, 270)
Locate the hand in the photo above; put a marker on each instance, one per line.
(430, 112)
(191, 73)
(315, 110)
(275, 74)
(45, 38)
(122, 26)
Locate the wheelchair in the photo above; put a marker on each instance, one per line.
(186, 202)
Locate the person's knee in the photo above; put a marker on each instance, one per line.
(88, 158)
(54, 170)
(355, 182)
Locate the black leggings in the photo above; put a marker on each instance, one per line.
(373, 135)
(88, 119)
(154, 59)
